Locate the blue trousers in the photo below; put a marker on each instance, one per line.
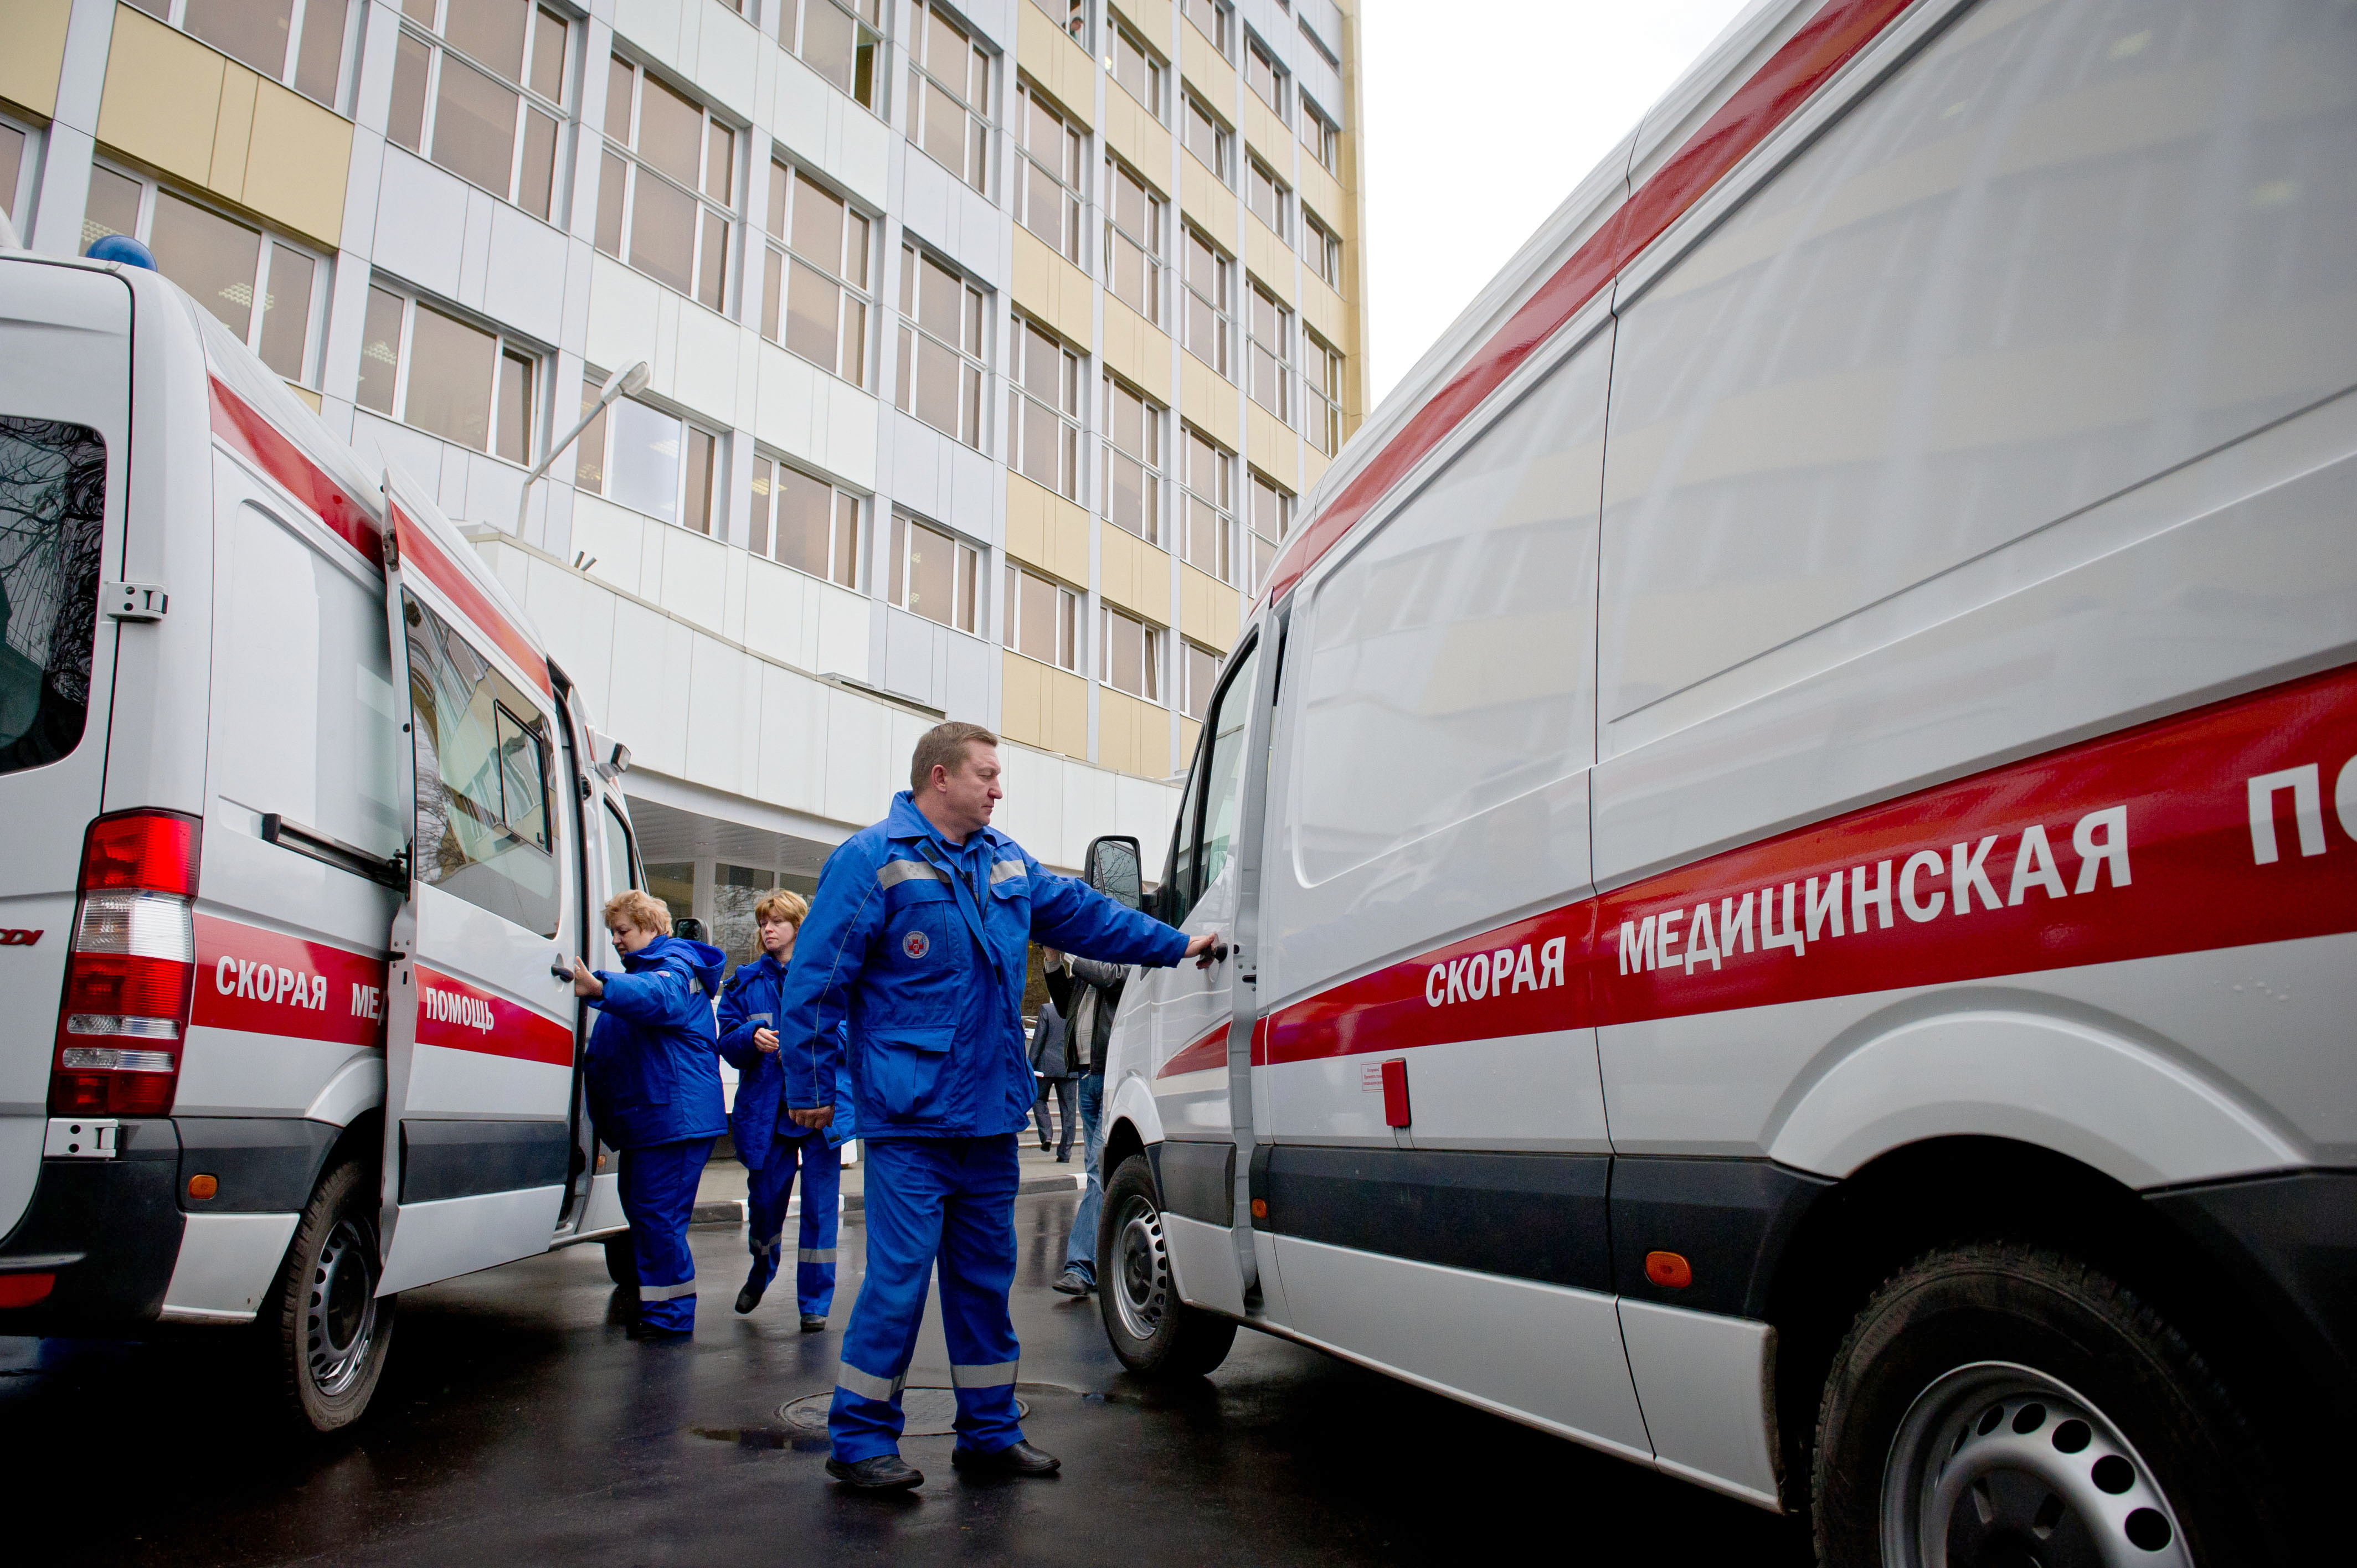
(658, 1191)
(949, 1201)
(767, 1190)
(1081, 1252)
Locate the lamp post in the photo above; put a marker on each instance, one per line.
(621, 383)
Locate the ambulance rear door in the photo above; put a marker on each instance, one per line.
(480, 1025)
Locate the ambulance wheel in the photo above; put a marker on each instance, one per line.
(1154, 1333)
(2002, 1403)
(621, 1263)
(328, 1330)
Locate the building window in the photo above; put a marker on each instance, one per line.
(933, 574)
(1133, 251)
(1042, 619)
(1321, 250)
(949, 96)
(1268, 329)
(1211, 483)
(1213, 20)
(1043, 411)
(1272, 519)
(842, 42)
(1132, 462)
(640, 456)
(1267, 198)
(1202, 674)
(1048, 189)
(1071, 16)
(815, 299)
(1263, 75)
(448, 377)
(942, 359)
(297, 43)
(801, 520)
(1130, 654)
(20, 148)
(1319, 135)
(1138, 68)
(1210, 300)
(1322, 375)
(667, 193)
(269, 292)
(1206, 137)
(485, 97)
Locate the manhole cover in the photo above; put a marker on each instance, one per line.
(927, 1413)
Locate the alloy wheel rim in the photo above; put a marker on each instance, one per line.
(341, 1311)
(1142, 1283)
(1999, 1466)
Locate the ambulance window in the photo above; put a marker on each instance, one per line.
(482, 797)
(52, 494)
(1223, 774)
(617, 853)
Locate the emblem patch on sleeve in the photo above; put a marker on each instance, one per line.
(916, 945)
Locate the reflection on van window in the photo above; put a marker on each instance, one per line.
(483, 831)
(52, 498)
(1223, 769)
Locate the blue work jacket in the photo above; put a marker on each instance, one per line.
(924, 945)
(758, 1115)
(652, 1075)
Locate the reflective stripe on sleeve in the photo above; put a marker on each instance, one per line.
(1006, 870)
(815, 1255)
(995, 1377)
(667, 1293)
(893, 871)
(866, 1385)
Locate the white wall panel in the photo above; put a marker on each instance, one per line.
(918, 478)
(379, 443)
(704, 375)
(614, 539)
(692, 574)
(625, 315)
(844, 618)
(846, 446)
(727, 52)
(421, 223)
(475, 249)
(784, 408)
(525, 256)
(911, 644)
(795, 743)
(725, 698)
(965, 687)
(859, 773)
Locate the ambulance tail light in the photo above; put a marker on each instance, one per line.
(132, 971)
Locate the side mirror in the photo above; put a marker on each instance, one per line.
(1112, 867)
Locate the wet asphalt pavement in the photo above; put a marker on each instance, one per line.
(516, 1425)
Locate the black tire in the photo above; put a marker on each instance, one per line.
(2080, 1424)
(621, 1263)
(1154, 1333)
(328, 1333)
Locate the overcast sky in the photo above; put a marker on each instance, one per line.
(1475, 132)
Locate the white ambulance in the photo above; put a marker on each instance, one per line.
(302, 820)
(1788, 815)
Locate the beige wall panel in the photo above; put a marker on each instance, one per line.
(1133, 574)
(1136, 349)
(162, 100)
(1051, 288)
(1018, 699)
(299, 162)
(1269, 259)
(1150, 20)
(1046, 531)
(36, 52)
(1136, 137)
(1207, 608)
(1321, 310)
(1322, 194)
(1058, 65)
(1131, 735)
(1209, 204)
(1315, 463)
(1213, 79)
(233, 132)
(1276, 450)
(1191, 732)
(1208, 399)
(1043, 706)
(1271, 137)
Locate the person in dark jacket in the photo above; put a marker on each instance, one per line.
(1049, 1066)
(920, 934)
(768, 1142)
(1093, 990)
(654, 1094)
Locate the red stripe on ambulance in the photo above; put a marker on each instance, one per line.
(420, 553)
(1209, 1052)
(266, 983)
(236, 421)
(459, 1016)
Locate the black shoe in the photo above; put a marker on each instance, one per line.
(813, 1321)
(1063, 1157)
(648, 1334)
(1071, 1282)
(1043, 1146)
(748, 1298)
(884, 1472)
(1017, 1458)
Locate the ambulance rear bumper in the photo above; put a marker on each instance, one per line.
(109, 1230)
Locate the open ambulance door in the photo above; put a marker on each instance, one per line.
(479, 1020)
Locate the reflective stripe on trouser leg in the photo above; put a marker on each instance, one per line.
(657, 1187)
(866, 1385)
(813, 1254)
(905, 1187)
(822, 1213)
(767, 1189)
(977, 1268)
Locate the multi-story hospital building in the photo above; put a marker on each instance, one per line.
(990, 346)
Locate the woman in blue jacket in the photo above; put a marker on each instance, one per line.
(768, 1142)
(654, 1094)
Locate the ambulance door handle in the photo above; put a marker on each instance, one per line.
(1218, 954)
(561, 967)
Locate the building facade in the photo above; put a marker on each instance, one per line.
(989, 345)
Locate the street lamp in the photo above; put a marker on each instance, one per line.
(621, 383)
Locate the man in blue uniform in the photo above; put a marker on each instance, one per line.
(654, 1094)
(771, 1146)
(919, 934)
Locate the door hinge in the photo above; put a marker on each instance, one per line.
(136, 601)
